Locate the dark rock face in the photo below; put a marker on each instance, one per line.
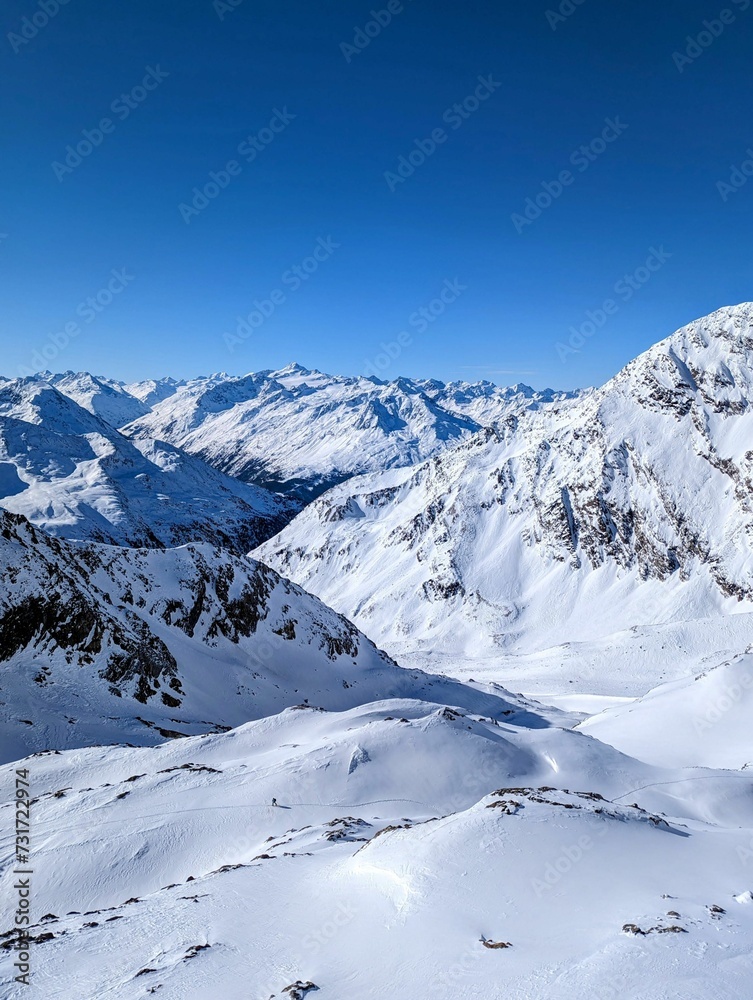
(52, 608)
(122, 612)
(71, 624)
(143, 665)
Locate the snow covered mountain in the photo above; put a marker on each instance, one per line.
(431, 837)
(631, 505)
(151, 391)
(100, 644)
(490, 404)
(103, 397)
(259, 427)
(416, 852)
(71, 473)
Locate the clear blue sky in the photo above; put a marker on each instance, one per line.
(230, 69)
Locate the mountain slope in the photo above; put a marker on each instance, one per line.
(631, 505)
(71, 473)
(259, 427)
(702, 719)
(101, 643)
(411, 844)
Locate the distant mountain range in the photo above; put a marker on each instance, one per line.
(259, 427)
(76, 476)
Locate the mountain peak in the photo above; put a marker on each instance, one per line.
(728, 324)
(708, 362)
(293, 368)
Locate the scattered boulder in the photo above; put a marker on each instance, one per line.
(298, 990)
(494, 944)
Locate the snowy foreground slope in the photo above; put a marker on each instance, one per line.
(629, 507)
(300, 431)
(416, 853)
(100, 644)
(74, 475)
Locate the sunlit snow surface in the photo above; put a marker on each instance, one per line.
(161, 850)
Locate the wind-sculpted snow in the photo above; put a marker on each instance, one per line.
(630, 506)
(701, 719)
(300, 431)
(70, 472)
(102, 643)
(459, 859)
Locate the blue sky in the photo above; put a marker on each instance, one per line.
(304, 122)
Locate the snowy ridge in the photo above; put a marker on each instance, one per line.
(103, 397)
(701, 719)
(151, 391)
